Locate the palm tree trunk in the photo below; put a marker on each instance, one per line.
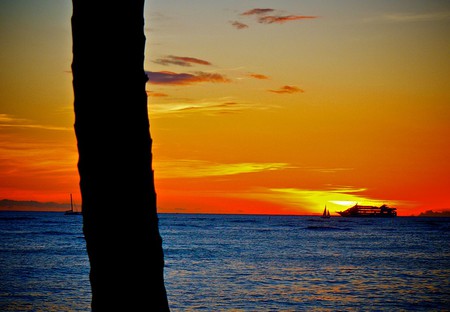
(120, 221)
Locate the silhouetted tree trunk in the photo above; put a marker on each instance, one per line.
(120, 221)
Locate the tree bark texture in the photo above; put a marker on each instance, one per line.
(120, 221)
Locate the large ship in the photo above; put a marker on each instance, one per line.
(369, 211)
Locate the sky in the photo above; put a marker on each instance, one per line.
(265, 107)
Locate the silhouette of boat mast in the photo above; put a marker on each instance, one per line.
(72, 211)
(326, 213)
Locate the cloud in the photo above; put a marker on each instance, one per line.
(336, 198)
(262, 16)
(305, 197)
(188, 168)
(287, 90)
(181, 61)
(207, 106)
(282, 19)
(257, 11)
(238, 25)
(7, 119)
(29, 157)
(213, 107)
(156, 94)
(12, 122)
(182, 79)
(258, 76)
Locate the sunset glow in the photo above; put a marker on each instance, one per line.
(261, 107)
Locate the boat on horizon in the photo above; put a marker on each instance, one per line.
(72, 211)
(369, 211)
(326, 213)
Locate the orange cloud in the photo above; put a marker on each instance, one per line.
(181, 61)
(259, 76)
(156, 94)
(37, 164)
(208, 106)
(338, 198)
(189, 168)
(287, 90)
(239, 25)
(8, 121)
(257, 11)
(263, 17)
(282, 19)
(171, 78)
(162, 107)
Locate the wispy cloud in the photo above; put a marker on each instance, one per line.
(188, 168)
(287, 90)
(218, 106)
(156, 94)
(25, 157)
(282, 19)
(258, 76)
(238, 25)
(269, 16)
(26, 153)
(337, 198)
(181, 61)
(183, 79)
(257, 11)
(8, 121)
(225, 107)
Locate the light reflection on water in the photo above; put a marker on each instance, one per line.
(296, 264)
(243, 263)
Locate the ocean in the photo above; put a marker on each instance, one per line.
(243, 263)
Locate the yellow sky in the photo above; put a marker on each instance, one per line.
(255, 107)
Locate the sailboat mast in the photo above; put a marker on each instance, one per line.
(71, 203)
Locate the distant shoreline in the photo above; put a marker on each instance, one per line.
(31, 205)
(444, 214)
(36, 206)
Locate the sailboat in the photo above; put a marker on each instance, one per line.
(326, 213)
(72, 211)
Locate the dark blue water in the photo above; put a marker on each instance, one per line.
(243, 263)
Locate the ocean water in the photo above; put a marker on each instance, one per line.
(243, 263)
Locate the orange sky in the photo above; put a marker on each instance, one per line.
(277, 107)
